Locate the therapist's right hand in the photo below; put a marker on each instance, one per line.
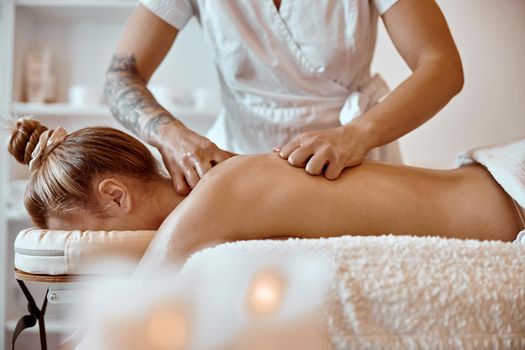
(188, 156)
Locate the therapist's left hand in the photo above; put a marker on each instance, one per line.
(328, 151)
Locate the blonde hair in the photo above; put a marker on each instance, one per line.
(63, 182)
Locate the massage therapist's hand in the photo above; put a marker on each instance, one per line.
(188, 156)
(329, 150)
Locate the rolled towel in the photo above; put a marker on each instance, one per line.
(506, 163)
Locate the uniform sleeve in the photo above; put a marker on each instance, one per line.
(175, 12)
(383, 5)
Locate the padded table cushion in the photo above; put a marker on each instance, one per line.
(54, 252)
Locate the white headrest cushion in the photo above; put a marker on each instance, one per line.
(57, 252)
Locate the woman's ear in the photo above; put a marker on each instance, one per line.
(114, 195)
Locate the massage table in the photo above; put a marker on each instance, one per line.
(59, 259)
(385, 292)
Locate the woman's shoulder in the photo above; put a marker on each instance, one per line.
(244, 164)
(231, 174)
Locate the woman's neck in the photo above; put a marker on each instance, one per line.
(162, 199)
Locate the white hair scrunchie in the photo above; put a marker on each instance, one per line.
(46, 144)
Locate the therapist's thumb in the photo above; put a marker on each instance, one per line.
(221, 155)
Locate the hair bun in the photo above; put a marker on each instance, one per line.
(24, 139)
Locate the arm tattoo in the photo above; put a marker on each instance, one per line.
(153, 124)
(130, 101)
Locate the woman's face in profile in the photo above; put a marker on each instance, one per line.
(126, 207)
(84, 220)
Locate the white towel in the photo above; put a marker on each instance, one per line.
(506, 163)
(386, 292)
(393, 292)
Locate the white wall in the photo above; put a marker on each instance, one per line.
(490, 36)
(189, 64)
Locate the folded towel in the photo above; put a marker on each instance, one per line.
(506, 163)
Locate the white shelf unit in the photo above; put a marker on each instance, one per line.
(187, 115)
(97, 4)
(58, 109)
(82, 35)
(73, 10)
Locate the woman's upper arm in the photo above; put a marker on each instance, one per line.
(420, 32)
(148, 38)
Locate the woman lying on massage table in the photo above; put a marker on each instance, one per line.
(103, 179)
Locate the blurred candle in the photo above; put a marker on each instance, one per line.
(265, 293)
(168, 328)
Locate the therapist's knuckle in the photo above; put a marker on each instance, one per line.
(187, 159)
(342, 155)
(313, 137)
(316, 141)
(325, 150)
(323, 153)
(336, 148)
(355, 159)
(311, 145)
(305, 140)
(208, 146)
(199, 155)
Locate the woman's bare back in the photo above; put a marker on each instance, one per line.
(261, 196)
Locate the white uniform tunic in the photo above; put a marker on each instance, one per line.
(303, 67)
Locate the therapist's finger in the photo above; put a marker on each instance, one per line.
(202, 168)
(189, 172)
(291, 146)
(300, 156)
(316, 163)
(179, 181)
(177, 176)
(333, 170)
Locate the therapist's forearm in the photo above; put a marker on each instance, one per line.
(431, 86)
(131, 103)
